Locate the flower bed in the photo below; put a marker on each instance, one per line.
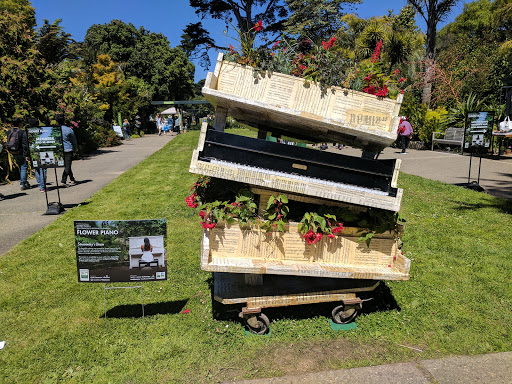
(298, 108)
(229, 248)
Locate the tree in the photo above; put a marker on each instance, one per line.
(23, 7)
(433, 12)
(241, 14)
(23, 79)
(145, 55)
(316, 19)
(53, 43)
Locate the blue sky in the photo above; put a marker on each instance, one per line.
(168, 17)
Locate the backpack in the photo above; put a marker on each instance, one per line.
(14, 140)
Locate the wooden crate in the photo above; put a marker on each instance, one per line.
(287, 103)
(235, 250)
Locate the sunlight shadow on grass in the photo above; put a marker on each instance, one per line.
(135, 310)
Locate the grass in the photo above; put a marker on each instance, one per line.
(457, 301)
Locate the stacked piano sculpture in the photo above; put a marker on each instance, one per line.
(268, 270)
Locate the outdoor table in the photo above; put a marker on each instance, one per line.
(501, 136)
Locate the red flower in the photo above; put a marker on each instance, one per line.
(258, 26)
(191, 200)
(231, 48)
(402, 80)
(331, 236)
(186, 311)
(370, 90)
(208, 225)
(338, 229)
(202, 214)
(276, 44)
(382, 92)
(376, 52)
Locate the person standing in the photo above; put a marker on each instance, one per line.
(126, 129)
(70, 145)
(17, 145)
(159, 124)
(405, 132)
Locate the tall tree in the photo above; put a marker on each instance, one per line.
(24, 7)
(433, 12)
(145, 55)
(53, 43)
(316, 19)
(241, 14)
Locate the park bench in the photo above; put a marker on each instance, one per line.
(452, 136)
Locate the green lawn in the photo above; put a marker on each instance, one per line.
(457, 301)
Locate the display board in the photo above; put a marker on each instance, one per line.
(46, 147)
(117, 129)
(121, 250)
(478, 135)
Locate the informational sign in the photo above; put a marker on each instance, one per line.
(117, 129)
(119, 120)
(478, 135)
(121, 250)
(46, 147)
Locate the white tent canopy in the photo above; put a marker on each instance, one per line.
(169, 111)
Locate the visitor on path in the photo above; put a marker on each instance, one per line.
(126, 130)
(138, 125)
(70, 145)
(170, 123)
(405, 132)
(159, 124)
(17, 145)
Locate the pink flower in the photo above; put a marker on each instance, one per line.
(186, 311)
(331, 236)
(202, 214)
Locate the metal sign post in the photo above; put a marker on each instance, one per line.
(105, 288)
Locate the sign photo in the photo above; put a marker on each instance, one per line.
(121, 250)
(46, 147)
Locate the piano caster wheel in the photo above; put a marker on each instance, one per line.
(344, 314)
(258, 324)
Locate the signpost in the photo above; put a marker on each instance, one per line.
(46, 149)
(110, 251)
(477, 139)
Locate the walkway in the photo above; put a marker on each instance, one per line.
(21, 213)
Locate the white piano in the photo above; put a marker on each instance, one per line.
(135, 252)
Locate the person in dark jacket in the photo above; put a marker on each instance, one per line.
(21, 156)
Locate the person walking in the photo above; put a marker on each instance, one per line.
(17, 145)
(70, 145)
(159, 124)
(405, 132)
(126, 130)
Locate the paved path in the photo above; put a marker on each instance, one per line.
(21, 212)
(495, 368)
(451, 168)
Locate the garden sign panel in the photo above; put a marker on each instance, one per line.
(46, 147)
(479, 131)
(110, 251)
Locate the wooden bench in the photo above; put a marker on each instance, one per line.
(452, 136)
